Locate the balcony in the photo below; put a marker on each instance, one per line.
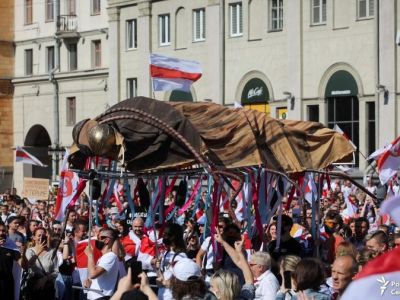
(67, 26)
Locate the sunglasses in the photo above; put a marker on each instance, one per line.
(103, 237)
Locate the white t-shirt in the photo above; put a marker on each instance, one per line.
(209, 250)
(106, 281)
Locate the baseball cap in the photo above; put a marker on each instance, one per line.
(186, 269)
(113, 210)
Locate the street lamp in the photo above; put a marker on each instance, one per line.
(56, 152)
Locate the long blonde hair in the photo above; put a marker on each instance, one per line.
(227, 283)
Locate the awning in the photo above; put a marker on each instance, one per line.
(341, 84)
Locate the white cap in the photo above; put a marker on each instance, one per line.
(185, 268)
(113, 210)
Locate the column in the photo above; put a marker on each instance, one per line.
(144, 48)
(387, 73)
(293, 24)
(114, 82)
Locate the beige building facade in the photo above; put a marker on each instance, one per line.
(331, 61)
(61, 76)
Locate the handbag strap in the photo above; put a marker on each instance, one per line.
(40, 263)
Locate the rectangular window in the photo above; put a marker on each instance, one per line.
(50, 58)
(95, 7)
(131, 88)
(276, 16)
(49, 10)
(96, 53)
(73, 56)
(164, 30)
(28, 12)
(71, 111)
(318, 11)
(199, 25)
(28, 61)
(71, 7)
(131, 34)
(365, 9)
(236, 19)
(313, 113)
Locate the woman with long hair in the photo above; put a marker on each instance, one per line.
(175, 250)
(269, 235)
(306, 280)
(43, 263)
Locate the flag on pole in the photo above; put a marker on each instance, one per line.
(21, 155)
(170, 73)
(351, 207)
(310, 189)
(379, 279)
(388, 160)
(67, 189)
(339, 130)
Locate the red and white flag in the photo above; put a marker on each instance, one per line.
(388, 160)
(351, 207)
(23, 156)
(379, 279)
(170, 73)
(118, 191)
(339, 130)
(67, 189)
(309, 187)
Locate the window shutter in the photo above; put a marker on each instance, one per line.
(362, 8)
(240, 16)
(371, 8)
(233, 20)
(323, 4)
(198, 25)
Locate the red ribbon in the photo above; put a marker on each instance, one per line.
(190, 200)
(254, 188)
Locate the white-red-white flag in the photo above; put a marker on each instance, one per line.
(170, 73)
(309, 188)
(339, 130)
(379, 279)
(67, 189)
(391, 206)
(388, 160)
(21, 155)
(351, 207)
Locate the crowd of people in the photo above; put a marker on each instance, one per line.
(118, 257)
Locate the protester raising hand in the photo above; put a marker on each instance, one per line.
(237, 257)
(39, 247)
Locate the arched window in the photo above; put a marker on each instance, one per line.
(37, 143)
(180, 96)
(341, 94)
(255, 95)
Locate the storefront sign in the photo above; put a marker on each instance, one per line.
(255, 91)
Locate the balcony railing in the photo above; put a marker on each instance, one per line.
(67, 24)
